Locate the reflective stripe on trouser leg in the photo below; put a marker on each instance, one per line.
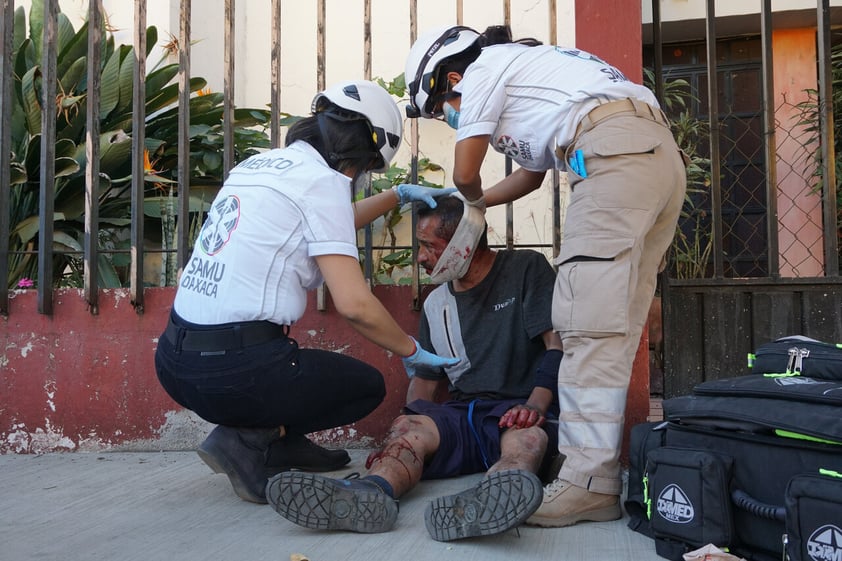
(633, 194)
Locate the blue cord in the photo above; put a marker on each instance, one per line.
(476, 434)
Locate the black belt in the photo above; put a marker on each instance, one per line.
(224, 338)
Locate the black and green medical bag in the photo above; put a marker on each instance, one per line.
(728, 465)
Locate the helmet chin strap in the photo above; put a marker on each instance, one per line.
(457, 256)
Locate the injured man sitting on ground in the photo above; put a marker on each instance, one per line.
(492, 309)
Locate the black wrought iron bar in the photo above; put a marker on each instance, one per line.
(184, 134)
(713, 119)
(48, 158)
(769, 141)
(6, 79)
(831, 240)
(92, 151)
(228, 90)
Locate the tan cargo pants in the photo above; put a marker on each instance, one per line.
(620, 222)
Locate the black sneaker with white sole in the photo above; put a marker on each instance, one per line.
(322, 503)
(499, 502)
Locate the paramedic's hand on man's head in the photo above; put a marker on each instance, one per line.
(409, 192)
(426, 359)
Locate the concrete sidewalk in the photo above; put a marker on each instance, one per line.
(170, 506)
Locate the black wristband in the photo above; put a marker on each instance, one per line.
(546, 373)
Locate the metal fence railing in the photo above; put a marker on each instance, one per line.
(763, 199)
(45, 243)
(62, 222)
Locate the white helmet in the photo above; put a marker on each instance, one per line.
(373, 103)
(425, 55)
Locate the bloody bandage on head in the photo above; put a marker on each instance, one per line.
(457, 256)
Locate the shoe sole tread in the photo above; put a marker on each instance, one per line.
(321, 503)
(499, 502)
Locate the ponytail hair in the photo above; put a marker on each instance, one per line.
(501, 35)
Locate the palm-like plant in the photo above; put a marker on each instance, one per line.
(117, 67)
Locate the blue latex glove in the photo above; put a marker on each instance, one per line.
(423, 358)
(409, 192)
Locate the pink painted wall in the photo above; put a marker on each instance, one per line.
(799, 210)
(75, 381)
(612, 30)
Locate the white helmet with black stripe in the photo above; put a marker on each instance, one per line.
(426, 54)
(362, 99)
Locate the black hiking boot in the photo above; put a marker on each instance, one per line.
(295, 451)
(322, 503)
(501, 501)
(240, 454)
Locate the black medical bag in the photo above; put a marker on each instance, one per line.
(814, 517)
(718, 469)
(798, 355)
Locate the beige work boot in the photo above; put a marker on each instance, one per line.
(565, 504)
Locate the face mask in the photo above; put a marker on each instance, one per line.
(451, 115)
(456, 257)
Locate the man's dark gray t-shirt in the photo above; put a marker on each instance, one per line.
(495, 327)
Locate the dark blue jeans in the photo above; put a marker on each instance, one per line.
(270, 384)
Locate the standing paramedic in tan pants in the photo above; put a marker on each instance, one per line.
(554, 107)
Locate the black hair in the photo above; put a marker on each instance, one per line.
(493, 35)
(501, 35)
(345, 143)
(449, 210)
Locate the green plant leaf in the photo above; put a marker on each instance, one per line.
(157, 79)
(64, 241)
(107, 276)
(65, 33)
(65, 148)
(126, 80)
(212, 160)
(18, 174)
(74, 75)
(28, 228)
(33, 156)
(19, 29)
(31, 94)
(66, 166)
(36, 25)
(115, 152)
(76, 48)
(115, 221)
(110, 91)
(151, 39)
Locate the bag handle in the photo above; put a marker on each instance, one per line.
(748, 503)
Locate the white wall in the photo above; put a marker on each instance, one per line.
(678, 10)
